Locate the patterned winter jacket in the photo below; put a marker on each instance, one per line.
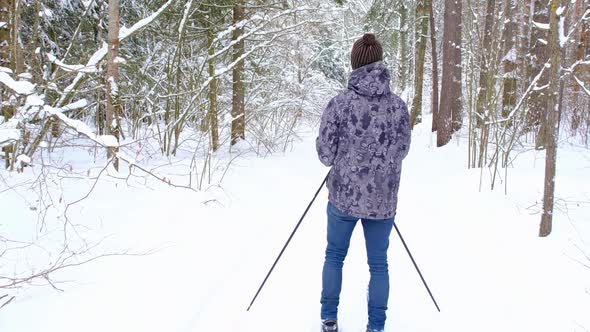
(364, 135)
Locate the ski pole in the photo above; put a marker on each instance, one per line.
(416, 266)
(287, 243)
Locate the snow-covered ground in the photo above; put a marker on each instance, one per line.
(479, 251)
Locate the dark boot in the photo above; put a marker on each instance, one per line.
(329, 325)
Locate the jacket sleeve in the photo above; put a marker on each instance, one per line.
(404, 132)
(327, 140)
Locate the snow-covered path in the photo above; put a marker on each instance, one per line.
(478, 251)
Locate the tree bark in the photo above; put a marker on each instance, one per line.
(509, 60)
(6, 7)
(36, 58)
(18, 56)
(450, 101)
(457, 81)
(552, 127)
(421, 31)
(212, 115)
(582, 49)
(575, 117)
(6, 60)
(238, 125)
(538, 98)
(524, 41)
(113, 105)
(403, 48)
(434, 67)
(486, 79)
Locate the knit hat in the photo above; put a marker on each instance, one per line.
(365, 51)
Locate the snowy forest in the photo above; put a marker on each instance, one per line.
(115, 113)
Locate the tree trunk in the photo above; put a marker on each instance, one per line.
(179, 75)
(18, 56)
(552, 128)
(524, 41)
(6, 60)
(113, 105)
(575, 120)
(403, 48)
(55, 123)
(238, 124)
(509, 60)
(100, 107)
(450, 101)
(6, 7)
(457, 81)
(36, 59)
(582, 49)
(212, 116)
(421, 31)
(538, 98)
(434, 66)
(486, 79)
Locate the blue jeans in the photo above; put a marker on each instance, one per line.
(340, 227)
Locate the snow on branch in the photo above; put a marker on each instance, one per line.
(102, 52)
(184, 18)
(255, 29)
(79, 126)
(573, 67)
(581, 84)
(108, 141)
(80, 68)
(561, 32)
(20, 87)
(222, 71)
(9, 132)
(541, 26)
(563, 38)
(124, 32)
(532, 87)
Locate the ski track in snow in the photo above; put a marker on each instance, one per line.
(479, 252)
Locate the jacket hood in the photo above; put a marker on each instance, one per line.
(371, 80)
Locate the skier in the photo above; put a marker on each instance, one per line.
(364, 136)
